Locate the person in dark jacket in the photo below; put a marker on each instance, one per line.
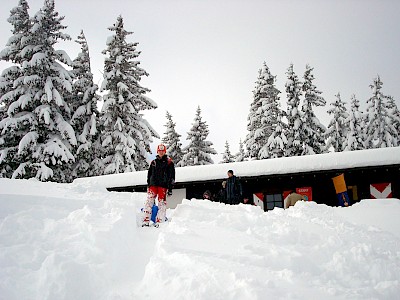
(221, 195)
(160, 180)
(233, 189)
(208, 196)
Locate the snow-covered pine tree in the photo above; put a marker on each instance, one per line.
(337, 129)
(40, 113)
(312, 131)
(19, 19)
(171, 140)
(263, 115)
(355, 136)
(294, 115)
(85, 119)
(199, 150)
(277, 141)
(394, 115)
(240, 156)
(380, 132)
(227, 156)
(10, 137)
(126, 136)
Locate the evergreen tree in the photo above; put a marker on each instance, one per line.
(11, 136)
(20, 20)
(337, 129)
(355, 135)
(294, 116)
(85, 119)
(171, 140)
(263, 115)
(127, 135)
(39, 112)
(277, 141)
(381, 132)
(240, 156)
(227, 156)
(312, 131)
(394, 115)
(199, 150)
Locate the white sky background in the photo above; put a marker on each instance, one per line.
(208, 53)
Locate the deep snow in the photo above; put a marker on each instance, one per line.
(78, 241)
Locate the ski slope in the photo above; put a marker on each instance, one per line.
(78, 241)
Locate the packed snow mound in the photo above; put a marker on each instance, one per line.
(67, 241)
(78, 241)
(310, 251)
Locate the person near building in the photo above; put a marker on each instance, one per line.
(233, 189)
(208, 196)
(248, 199)
(221, 195)
(160, 180)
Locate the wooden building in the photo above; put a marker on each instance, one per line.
(365, 171)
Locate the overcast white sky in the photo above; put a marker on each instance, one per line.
(208, 53)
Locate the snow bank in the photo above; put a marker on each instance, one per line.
(61, 241)
(310, 251)
(78, 241)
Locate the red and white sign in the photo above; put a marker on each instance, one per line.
(305, 191)
(381, 190)
(259, 199)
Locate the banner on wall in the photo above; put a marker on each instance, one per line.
(306, 192)
(381, 190)
(339, 183)
(259, 199)
(341, 190)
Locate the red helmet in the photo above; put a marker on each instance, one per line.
(161, 147)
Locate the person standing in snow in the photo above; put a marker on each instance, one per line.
(160, 180)
(233, 189)
(221, 195)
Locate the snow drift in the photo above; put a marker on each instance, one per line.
(78, 241)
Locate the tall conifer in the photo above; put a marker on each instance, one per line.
(171, 140)
(39, 110)
(380, 131)
(355, 136)
(337, 128)
(312, 132)
(294, 115)
(199, 150)
(85, 119)
(126, 136)
(263, 115)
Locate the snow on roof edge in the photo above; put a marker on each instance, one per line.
(283, 165)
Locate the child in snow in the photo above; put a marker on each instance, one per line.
(160, 179)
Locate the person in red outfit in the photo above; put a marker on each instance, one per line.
(160, 180)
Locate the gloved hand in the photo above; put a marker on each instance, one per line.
(169, 193)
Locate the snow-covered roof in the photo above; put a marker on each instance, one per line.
(276, 166)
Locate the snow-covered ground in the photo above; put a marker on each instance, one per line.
(78, 241)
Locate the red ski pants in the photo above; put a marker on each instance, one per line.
(152, 193)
